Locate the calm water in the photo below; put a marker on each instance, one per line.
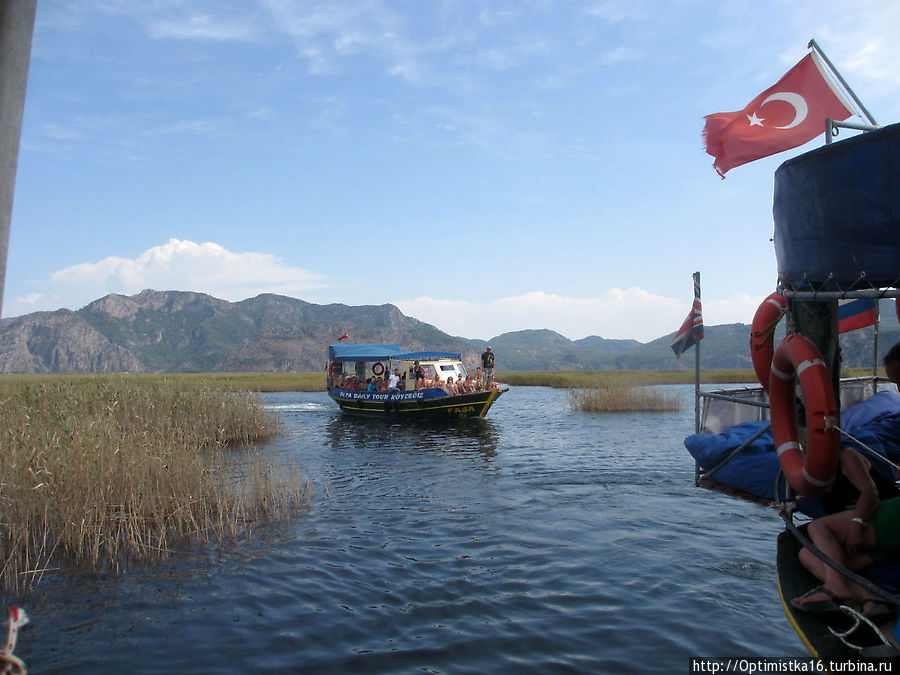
(538, 540)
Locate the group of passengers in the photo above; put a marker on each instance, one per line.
(397, 382)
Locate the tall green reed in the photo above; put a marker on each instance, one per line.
(104, 471)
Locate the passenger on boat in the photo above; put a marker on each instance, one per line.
(372, 385)
(437, 382)
(467, 386)
(487, 365)
(419, 372)
(394, 381)
(854, 537)
(892, 364)
(451, 387)
(479, 380)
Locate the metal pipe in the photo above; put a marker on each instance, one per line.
(16, 29)
(814, 45)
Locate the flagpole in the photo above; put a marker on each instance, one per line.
(16, 30)
(875, 343)
(815, 45)
(697, 368)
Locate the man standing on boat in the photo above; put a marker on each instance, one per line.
(487, 366)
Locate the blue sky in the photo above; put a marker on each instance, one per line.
(485, 166)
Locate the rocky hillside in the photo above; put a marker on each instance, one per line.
(175, 331)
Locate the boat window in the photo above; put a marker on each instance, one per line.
(446, 367)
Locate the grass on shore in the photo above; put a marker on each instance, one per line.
(100, 471)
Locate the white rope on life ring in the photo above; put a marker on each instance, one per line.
(10, 662)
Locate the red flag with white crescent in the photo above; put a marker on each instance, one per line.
(344, 337)
(786, 115)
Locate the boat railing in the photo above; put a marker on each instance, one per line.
(722, 409)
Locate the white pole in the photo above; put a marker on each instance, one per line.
(16, 29)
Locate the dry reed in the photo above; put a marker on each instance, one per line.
(615, 395)
(102, 471)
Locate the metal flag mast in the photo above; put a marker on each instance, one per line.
(831, 125)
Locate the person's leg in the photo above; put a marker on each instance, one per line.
(829, 535)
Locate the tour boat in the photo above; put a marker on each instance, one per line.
(351, 366)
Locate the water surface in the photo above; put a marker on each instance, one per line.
(537, 540)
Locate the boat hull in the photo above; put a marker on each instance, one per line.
(793, 581)
(415, 405)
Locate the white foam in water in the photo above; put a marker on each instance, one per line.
(297, 407)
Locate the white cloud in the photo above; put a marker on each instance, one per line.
(198, 26)
(175, 265)
(631, 313)
(616, 314)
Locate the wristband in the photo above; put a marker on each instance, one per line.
(859, 520)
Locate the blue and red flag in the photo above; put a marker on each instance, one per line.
(853, 314)
(691, 331)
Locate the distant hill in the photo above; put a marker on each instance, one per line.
(177, 331)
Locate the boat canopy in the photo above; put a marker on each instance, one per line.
(362, 352)
(379, 352)
(837, 213)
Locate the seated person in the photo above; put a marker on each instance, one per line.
(450, 387)
(437, 382)
(854, 537)
(479, 378)
(394, 381)
(372, 385)
(419, 374)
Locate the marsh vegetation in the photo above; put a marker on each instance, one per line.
(617, 396)
(102, 471)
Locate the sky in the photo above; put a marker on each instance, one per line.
(485, 166)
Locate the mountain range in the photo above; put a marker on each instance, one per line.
(180, 331)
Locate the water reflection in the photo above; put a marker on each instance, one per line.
(469, 436)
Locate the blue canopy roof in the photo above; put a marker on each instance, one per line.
(361, 352)
(378, 352)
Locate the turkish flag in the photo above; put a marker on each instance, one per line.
(789, 113)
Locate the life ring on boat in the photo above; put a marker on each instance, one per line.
(762, 335)
(810, 472)
(897, 307)
(378, 368)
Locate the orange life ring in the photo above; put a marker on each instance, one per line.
(810, 472)
(762, 335)
(380, 366)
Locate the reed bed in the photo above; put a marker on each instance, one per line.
(103, 471)
(617, 396)
(573, 379)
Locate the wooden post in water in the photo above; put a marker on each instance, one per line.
(16, 29)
